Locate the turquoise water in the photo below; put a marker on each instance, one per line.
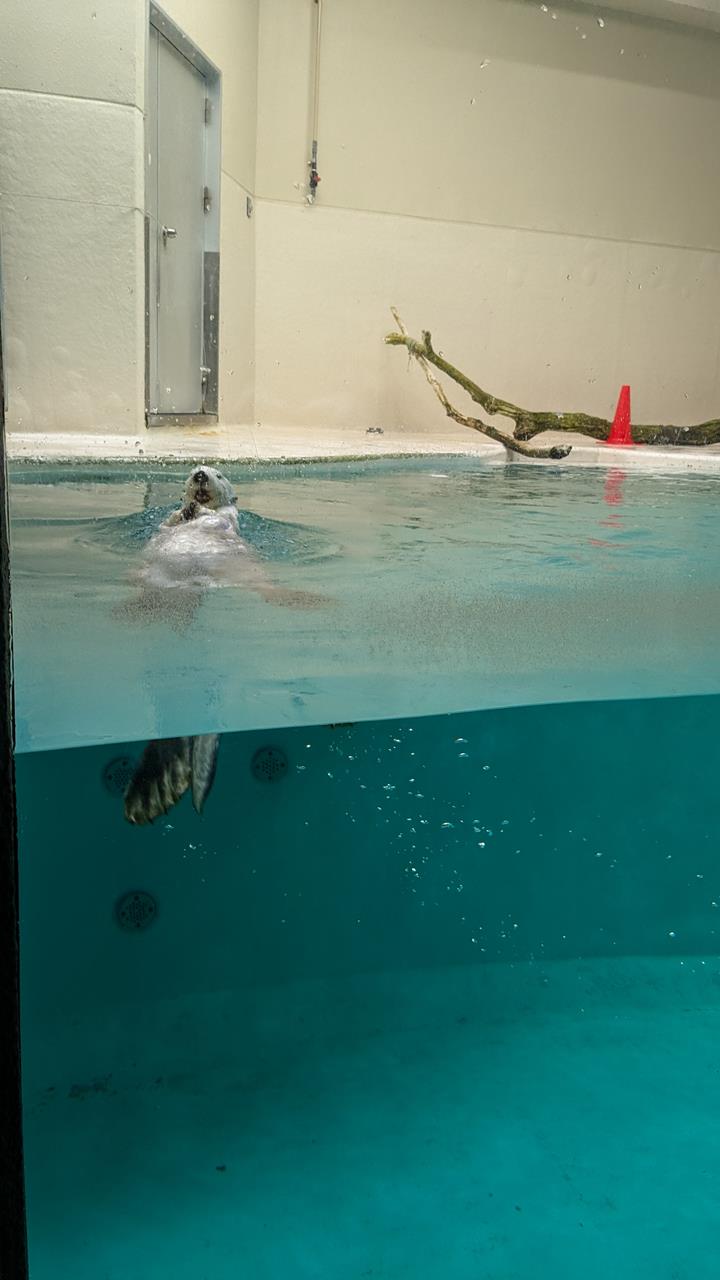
(362, 1036)
(452, 585)
(443, 999)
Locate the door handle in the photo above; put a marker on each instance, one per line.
(168, 233)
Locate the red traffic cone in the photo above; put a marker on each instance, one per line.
(621, 430)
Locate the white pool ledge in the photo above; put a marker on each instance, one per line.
(283, 444)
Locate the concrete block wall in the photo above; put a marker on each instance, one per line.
(71, 214)
(72, 82)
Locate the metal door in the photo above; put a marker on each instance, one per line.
(179, 201)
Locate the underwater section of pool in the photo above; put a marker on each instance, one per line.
(449, 585)
(432, 989)
(431, 997)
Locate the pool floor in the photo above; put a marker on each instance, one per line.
(500, 1123)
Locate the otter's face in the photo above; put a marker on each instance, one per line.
(209, 488)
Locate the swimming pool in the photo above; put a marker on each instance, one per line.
(438, 992)
(453, 585)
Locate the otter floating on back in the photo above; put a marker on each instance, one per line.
(199, 547)
(196, 548)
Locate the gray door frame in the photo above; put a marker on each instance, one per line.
(160, 21)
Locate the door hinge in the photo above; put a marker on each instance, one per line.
(208, 111)
(207, 200)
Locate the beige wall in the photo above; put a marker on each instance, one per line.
(697, 13)
(540, 191)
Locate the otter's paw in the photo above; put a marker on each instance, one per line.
(161, 778)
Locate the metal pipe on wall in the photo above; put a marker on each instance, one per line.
(314, 175)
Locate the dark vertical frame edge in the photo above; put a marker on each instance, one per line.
(13, 1229)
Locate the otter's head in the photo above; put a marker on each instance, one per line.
(208, 487)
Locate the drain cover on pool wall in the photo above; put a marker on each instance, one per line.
(117, 774)
(269, 764)
(136, 910)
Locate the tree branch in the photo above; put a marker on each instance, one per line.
(425, 356)
(528, 422)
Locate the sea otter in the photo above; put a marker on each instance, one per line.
(196, 548)
(168, 768)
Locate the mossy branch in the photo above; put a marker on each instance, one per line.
(529, 422)
(425, 356)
